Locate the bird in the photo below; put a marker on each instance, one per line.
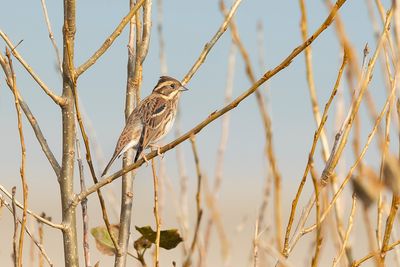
(151, 120)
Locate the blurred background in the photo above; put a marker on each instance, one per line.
(270, 30)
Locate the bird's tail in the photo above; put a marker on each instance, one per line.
(109, 164)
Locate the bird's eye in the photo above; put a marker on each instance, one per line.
(173, 86)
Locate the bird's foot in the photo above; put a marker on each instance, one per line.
(145, 158)
(158, 148)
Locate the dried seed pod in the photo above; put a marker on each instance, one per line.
(367, 186)
(391, 173)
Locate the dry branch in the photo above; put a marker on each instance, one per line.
(215, 115)
(42, 251)
(23, 157)
(109, 41)
(32, 120)
(57, 99)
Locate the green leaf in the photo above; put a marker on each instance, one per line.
(169, 239)
(103, 240)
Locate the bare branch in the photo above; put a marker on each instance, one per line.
(11, 207)
(188, 260)
(210, 44)
(156, 215)
(349, 227)
(37, 217)
(32, 120)
(85, 217)
(57, 99)
(109, 41)
(51, 36)
(215, 115)
(23, 157)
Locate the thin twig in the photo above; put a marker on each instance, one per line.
(219, 167)
(59, 100)
(375, 253)
(349, 227)
(310, 159)
(211, 43)
(92, 171)
(345, 129)
(255, 244)
(32, 120)
(23, 156)
(267, 128)
(389, 225)
(318, 236)
(213, 116)
(33, 214)
(188, 260)
(51, 36)
(156, 215)
(161, 42)
(359, 158)
(41, 239)
(38, 244)
(268, 178)
(85, 216)
(15, 235)
(110, 40)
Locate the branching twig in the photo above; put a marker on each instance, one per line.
(188, 260)
(43, 253)
(51, 36)
(375, 253)
(109, 41)
(349, 227)
(211, 43)
(215, 115)
(33, 214)
(32, 120)
(57, 99)
(85, 217)
(267, 128)
(310, 159)
(359, 158)
(23, 156)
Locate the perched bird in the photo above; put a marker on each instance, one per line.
(151, 120)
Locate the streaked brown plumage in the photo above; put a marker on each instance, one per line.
(151, 120)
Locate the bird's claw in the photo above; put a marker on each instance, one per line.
(145, 159)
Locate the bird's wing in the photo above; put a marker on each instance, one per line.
(154, 112)
(154, 118)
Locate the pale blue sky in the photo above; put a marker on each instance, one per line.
(188, 25)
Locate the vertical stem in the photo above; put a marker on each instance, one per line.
(14, 211)
(85, 217)
(23, 156)
(68, 138)
(156, 215)
(134, 78)
(40, 232)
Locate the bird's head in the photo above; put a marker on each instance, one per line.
(169, 87)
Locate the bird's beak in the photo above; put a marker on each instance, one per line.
(183, 88)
